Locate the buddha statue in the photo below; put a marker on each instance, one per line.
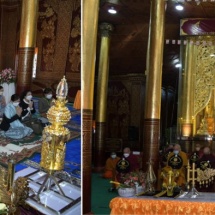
(203, 130)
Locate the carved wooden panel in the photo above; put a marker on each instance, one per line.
(58, 42)
(204, 75)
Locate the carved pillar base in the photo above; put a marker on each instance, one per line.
(25, 65)
(151, 144)
(99, 146)
(86, 156)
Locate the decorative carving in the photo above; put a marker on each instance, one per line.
(118, 111)
(47, 27)
(56, 135)
(87, 140)
(74, 54)
(76, 30)
(14, 195)
(204, 76)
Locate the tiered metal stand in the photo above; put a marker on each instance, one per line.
(191, 177)
(55, 137)
(47, 184)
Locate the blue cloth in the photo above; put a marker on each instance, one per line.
(2, 105)
(72, 156)
(17, 130)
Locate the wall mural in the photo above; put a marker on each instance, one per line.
(47, 22)
(118, 111)
(58, 42)
(74, 54)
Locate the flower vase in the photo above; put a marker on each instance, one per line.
(139, 189)
(127, 192)
(9, 90)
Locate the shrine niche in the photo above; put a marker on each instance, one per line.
(197, 79)
(204, 93)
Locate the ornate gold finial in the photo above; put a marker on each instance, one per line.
(56, 135)
(62, 89)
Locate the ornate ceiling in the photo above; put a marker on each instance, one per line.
(130, 37)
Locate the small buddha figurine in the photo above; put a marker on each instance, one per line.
(203, 130)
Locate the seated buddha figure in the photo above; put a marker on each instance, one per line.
(203, 129)
(177, 160)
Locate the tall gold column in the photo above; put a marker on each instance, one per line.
(153, 84)
(28, 29)
(89, 36)
(101, 101)
(187, 92)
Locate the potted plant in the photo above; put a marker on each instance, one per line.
(131, 183)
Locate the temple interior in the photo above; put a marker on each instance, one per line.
(130, 127)
(153, 89)
(40, 161)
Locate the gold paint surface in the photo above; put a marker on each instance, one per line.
(89, 37)
(102, 86)
(187, 83)
(155, 60)
(56, 135)
(28, 27)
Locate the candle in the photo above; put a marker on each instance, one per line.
(188, 171)
(193, 175)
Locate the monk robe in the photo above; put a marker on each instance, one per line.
(206, 161)
(194, 157)
(179, 163)
(110, 168)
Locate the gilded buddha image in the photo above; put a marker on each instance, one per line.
(205, 118)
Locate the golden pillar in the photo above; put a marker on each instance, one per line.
(187, 92)
(153, 84)
(89, 32)
(101, 101)
(28, 29)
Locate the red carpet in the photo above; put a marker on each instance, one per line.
(18, 150)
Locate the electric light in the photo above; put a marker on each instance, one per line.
(112, 10)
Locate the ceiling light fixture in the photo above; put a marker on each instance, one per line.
(179, 6)
(112, 10)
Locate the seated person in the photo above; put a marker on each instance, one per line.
(132, 159)
(165, 155)
(110, 166)
(196, 154)
(2, 102)
(45, 102)
(27, 105)
(128, 163)
(207, 160)
(177, 160)
(11, 126)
